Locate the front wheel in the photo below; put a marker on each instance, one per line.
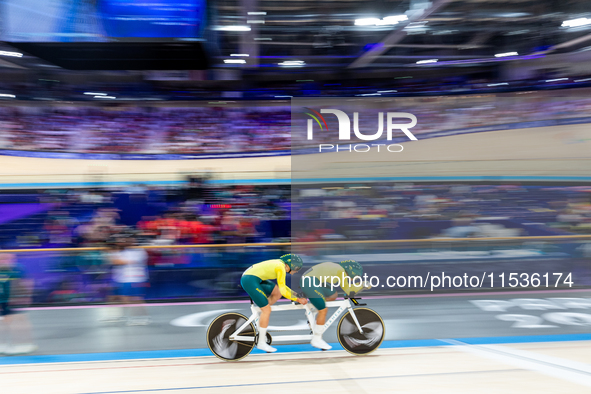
(373, 331)
(218, 337)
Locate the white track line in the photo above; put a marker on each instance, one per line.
(572, 371)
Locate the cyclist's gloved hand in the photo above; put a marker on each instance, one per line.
(302, 301)
(352, 294)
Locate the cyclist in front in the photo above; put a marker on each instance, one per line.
(256, 281)
(316, 285)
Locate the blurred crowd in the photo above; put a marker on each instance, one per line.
(402, 211)
(108, 225)
(150, 129)
(206, 214)
(195, 214)
(118, 221)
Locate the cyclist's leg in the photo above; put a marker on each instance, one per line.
(321, 317)
(314, 294)
(253, 285)
(273, 295)
(271, 290)
(317, 297)
(332, 297)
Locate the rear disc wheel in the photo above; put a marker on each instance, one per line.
(218, 337)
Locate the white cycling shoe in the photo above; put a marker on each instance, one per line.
(266, 348)
(319, 343)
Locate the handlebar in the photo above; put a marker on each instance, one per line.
(354, 299)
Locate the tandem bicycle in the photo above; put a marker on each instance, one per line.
(232, 336)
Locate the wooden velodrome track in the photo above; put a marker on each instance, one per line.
(520, 368)
(541, 367)
(490, 353)
(563, 151)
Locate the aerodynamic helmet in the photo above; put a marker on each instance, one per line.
(293, 261)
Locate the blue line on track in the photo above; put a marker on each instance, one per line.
(449, 178)
(87, 184)
(307, 180)
(41, 185)
(159, 354)
(525, 339)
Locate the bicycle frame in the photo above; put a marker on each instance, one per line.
(256, 313)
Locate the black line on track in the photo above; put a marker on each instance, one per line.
(304, 381)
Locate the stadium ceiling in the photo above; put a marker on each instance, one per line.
(114, 55)
(322, 36)
(311, 34)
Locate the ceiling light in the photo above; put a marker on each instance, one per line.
(506, 54)
(7, 95)
(13, 54)
(367, 22)
(263, 39)
(512, 14)
(427, 61)
(497, 84)
(557, 79)
(255, 21)
(233, 28)
(416, 25)
(387, 91)
(292, 63)
(515, 32)
(393, 19)
(95, 94)
(105, 97)
(388, 20)
(257, 13)
(583, 80)
(576, 22)
(234, 61)
(443, 32)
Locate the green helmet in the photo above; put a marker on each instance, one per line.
(352, 268)
(293, 261)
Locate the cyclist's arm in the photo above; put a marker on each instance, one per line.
(354, 293)
(349, 289)
(285, 291)
(347, 284)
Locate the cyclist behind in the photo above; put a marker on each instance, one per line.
(256, 281)
(316, 285)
